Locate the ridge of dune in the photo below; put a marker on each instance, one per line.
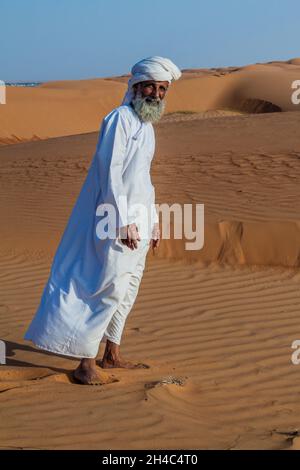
(235, 242)
(68, 107)
(56, 109)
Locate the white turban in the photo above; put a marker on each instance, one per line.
(152, 68)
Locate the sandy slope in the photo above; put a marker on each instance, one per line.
(224, 333)
(73, 107)
(216, 326)
(249, 187)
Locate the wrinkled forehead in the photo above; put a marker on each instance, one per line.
(150, 82)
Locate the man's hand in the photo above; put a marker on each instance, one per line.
(155, 240)
(130, 236)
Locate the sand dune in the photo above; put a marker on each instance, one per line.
(56, 109)
(215, 326)
(249, 187)
(61, 108)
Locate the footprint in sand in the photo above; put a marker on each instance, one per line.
(19, 377)
(165, 389)
(291, 438)
(167, 381)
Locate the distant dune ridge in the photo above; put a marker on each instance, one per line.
(71, 107)
(216, 325)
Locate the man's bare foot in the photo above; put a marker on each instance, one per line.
(112, 359)
(88, 373)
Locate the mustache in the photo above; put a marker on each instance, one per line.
(152, 101)
(149, 99)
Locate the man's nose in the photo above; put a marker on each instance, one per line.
(155, 93)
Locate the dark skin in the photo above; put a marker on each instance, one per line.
(87, 372)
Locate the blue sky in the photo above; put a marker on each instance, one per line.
(72, 39)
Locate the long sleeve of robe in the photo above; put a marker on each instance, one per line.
(111, 154)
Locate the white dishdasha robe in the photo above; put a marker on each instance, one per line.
(93, 282)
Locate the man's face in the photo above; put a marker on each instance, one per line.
(152, 89)
(148, 100)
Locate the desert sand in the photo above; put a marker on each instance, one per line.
(60, 108)
(215, 325)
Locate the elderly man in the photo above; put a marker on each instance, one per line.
(94, 280)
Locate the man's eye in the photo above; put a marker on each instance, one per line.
(150, 85)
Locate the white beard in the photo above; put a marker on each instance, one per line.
(148, 109)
